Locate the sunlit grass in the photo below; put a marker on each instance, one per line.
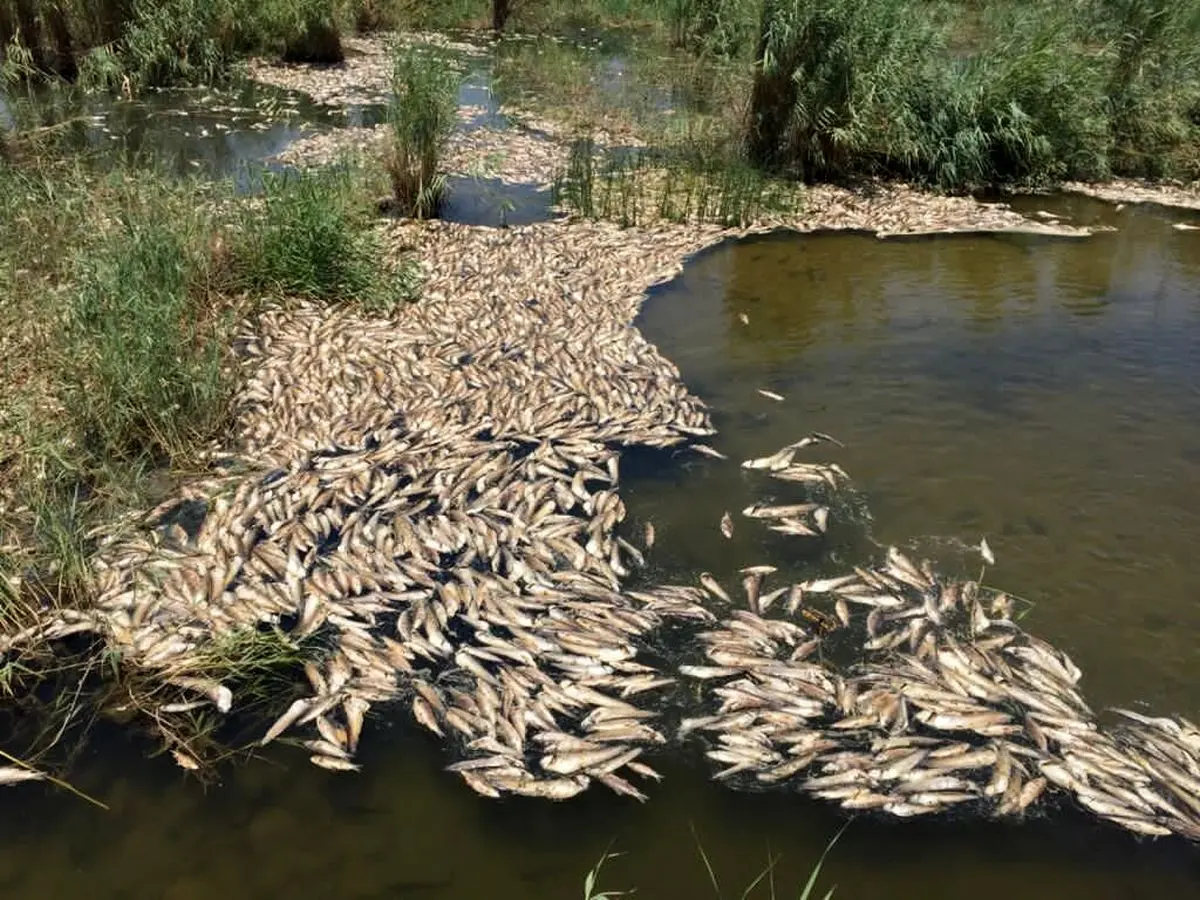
(421, 117)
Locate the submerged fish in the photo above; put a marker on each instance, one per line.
(727, 526)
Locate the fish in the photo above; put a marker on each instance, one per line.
(182, 759)
(290, 716)
(710, 584)
(771, 395)
(17, 774)
(648, 535)
(727, 526)
(334, 763)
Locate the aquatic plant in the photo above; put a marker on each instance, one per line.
(591, 880)
(421, 116)
(686, 182)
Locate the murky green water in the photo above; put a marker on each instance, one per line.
(1044, 393)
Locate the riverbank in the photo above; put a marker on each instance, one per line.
(579, 104)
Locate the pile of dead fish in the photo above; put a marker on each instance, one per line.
(947, 703)
(462, 555)
(432, 498)
(477, 575)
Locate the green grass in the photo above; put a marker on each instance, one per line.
(119, 295)
(312, 237)
(718, 27)
(687, 182)
(143, 348)
(1045, 92)
(421, 117)
(763, 883)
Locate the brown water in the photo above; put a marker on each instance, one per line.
(1043, 393)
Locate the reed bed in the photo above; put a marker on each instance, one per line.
(1047, 92)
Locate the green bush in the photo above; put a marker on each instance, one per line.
(311, 238)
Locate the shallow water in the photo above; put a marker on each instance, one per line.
(494, 203)
(216, 133)
(1043, 393)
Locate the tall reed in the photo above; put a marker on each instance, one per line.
(160, 42)
(688, 181)
(851, 88)
(421, 116)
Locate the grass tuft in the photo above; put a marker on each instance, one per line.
(143, 346)
(689, 181)
(311, 237)
(421, 117)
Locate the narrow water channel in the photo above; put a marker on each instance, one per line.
(1043, 393)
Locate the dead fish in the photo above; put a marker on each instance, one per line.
(285, 721)
(185, 761)
(425, 715)
(333, 763)
(727, 526)
(743, 318)
(16, 775)
(759, 570)
(649, 535)
(751, 585)
(710, 584)
(771, 395)
(704, 672)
